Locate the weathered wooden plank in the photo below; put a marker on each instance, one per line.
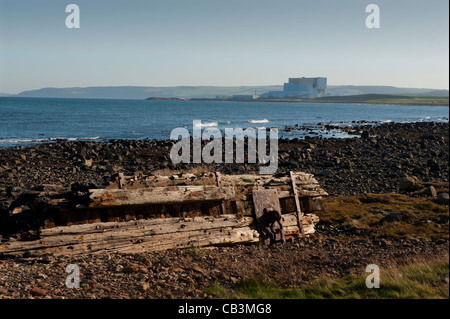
(159, 195)
(219, 184)
(149, 227)
(131, 244)
(297, 202)
(304, 181)
(150, 235)
(207, 237)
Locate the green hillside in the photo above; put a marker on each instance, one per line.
(387, 99)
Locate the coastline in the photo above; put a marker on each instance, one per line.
(311, 101)
(390, 151)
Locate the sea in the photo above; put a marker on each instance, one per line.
(27, 122)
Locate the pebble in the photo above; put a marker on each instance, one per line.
(38, 292)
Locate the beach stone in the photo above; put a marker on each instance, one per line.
(130, 269)
(144, 286)
(390, 218)
(443, 199)
(88, 162)
(409, 184)
(424, 222)
(326, 173)
(362, 242)
(443, 219)
(384, 243)
(38, 292)
(430, 191)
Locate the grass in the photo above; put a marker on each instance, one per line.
(364, 213)
(424, 280)
(194, 250)
(387, 99)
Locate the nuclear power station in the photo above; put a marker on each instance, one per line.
(300, 88)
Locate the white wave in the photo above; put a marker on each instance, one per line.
(206, 124)
(48, 139)
(258, 121)
(386, 121)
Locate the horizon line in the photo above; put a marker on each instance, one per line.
(179, 86)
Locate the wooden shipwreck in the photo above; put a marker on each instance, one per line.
(150, 213)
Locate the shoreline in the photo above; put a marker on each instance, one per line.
(307, 127)
(293, 101)
(344, 166)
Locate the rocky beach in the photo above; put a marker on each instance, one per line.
(409, 160)
(372, 162)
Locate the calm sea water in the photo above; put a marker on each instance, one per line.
(27, 121)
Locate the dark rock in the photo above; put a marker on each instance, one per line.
(390, 218)
(409, 184)
(424, 222)
(326, 173)
(362, 242)
(442, 199)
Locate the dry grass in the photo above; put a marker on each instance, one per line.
(419, 217)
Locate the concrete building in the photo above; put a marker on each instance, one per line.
(300, 88)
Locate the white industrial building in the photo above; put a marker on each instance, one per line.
(301, 88)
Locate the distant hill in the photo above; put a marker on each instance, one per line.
(143, 92)
(345, 90)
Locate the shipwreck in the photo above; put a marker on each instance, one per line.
(150, 213)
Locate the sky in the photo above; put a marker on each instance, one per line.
(222, 43)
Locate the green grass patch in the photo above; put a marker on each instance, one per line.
(425, 280)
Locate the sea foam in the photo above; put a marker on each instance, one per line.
(258, 121)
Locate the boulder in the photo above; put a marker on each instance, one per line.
(431, 191)
(442, 199)
(390, 218)
(409, 184)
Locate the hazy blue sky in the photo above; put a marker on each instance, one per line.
(227, 42)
